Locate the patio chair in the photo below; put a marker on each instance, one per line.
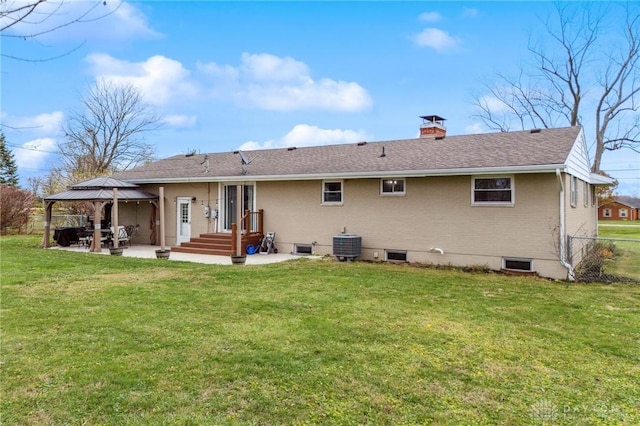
(84, 237)
(122, 235)
(105, 238)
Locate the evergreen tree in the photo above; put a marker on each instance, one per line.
(8, 168)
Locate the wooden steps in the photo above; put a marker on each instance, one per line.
(215, 244)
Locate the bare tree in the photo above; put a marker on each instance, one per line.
(585, 78)
(108, 134)
(39, 17)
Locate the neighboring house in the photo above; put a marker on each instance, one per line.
(619, 210)
(503, 200)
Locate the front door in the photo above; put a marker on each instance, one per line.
(184, 220)
(230, 201)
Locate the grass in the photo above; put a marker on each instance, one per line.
(106, 340)
(627, 260)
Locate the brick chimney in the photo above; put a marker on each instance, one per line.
(432, 127)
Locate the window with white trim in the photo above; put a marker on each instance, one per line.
(623, 213)
(573, 191)
(392, 186)
(585, 194)
(332, 192)
(606, 212)
(495, 190)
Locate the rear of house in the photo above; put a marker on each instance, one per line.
(502, 200)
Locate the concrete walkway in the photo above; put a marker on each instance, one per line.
(149, 252)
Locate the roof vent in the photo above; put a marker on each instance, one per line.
(432, 126)
(362, 143)
(535, 130)
(291, 148)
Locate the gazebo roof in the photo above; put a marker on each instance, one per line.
(101, 189)
(103, 182)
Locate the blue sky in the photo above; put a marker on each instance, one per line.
(229, 75)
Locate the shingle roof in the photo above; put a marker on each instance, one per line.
(548, 147)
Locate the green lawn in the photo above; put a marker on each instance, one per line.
(626, 262)
(90, 339)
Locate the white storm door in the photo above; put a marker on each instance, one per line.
(184, 220)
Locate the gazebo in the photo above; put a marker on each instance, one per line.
(99, 192)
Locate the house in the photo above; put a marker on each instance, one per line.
(504, 200)
(619, 210)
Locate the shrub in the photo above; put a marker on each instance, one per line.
(15, 206)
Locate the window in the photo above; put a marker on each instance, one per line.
(392, 186)
(493, 190)
(573, 191)
(516, 264)
(585, 194)
(607, 212)
(332, 192)
(622, 213)
(395, 255)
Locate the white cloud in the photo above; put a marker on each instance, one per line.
(129, 23)
(436, 39)
(307, 135)
(33, 154)
(474, 128)
(92, 20)
(469, 12)
(45, 123)
(159, 80)
(266, 67)
(283, 84)
(261, 80)
(492, 104)
(430, 17)
(182, 121)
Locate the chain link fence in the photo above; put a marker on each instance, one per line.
(596, 259)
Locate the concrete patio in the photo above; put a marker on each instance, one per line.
(149, 252)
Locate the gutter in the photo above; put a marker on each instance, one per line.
(377, 174)
(563, 240)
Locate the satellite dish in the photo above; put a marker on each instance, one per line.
(244, 158)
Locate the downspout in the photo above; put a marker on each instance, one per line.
(563, 240)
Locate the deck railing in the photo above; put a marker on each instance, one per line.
(253, 221)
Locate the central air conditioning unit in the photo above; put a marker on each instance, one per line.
(347, 246)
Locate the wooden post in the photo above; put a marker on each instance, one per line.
(46, 240)
(96, 245)
(260, 222)
(161, 213)
(238, 251)
(234, 242)
(114, 217)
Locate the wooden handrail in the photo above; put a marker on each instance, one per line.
(248, 219)
(245, 221)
